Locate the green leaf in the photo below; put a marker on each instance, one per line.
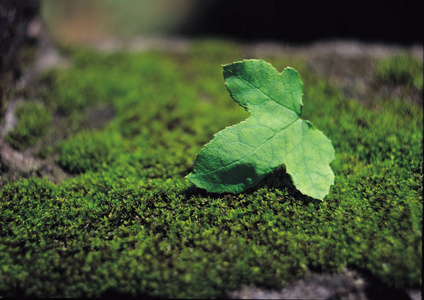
(239, 156)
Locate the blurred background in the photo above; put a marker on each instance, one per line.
(82, 21)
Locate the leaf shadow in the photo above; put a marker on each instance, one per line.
(279, 179)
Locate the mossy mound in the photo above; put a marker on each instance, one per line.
(129, 223)
(33, 120)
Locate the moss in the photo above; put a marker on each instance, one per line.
(129, 223)
(89, 151)
(33, 120)
(401, 69)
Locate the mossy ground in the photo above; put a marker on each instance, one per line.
(128, 222)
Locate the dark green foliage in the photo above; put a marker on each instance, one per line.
(32, 123)
(130, 223)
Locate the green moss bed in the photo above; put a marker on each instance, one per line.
(127, 222)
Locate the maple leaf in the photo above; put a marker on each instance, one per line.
(239, 156)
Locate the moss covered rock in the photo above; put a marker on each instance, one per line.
(129, 223)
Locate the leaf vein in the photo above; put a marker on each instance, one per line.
(268, 96)
(252, 152)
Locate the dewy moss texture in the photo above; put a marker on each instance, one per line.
(128, 222)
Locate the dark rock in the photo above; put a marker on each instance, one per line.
(15, 15)
(349, 284)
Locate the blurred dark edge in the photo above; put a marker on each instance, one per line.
(288, 22)
(307, 21)
(15, 15)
